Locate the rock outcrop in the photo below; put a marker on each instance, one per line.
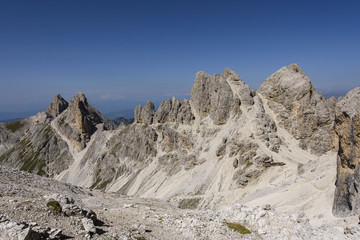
(57, 106)
(212, 96)
(244, 92)
(172, 110)
(300, 109)
(220, 96)
(347, 128)
(219, 147)
(146, 114)
(10, 229)
(79, 122)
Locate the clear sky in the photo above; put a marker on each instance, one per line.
(121, 53)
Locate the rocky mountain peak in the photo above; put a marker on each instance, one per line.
(299, 108)
(79, 108)
(212, 96)
(79, 101)
(240, 88)
(231, 75)
(146, 114)
(81, 119)
(290, 80)
(351, 102)
(171, 110)
(284, 130)
(57, 106)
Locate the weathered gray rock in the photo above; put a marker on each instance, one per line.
(212, 96)
(172, 140)
(300, 109)
(162, 114)
(40, 151)
(265, 127)
(63, 200)
(220, 96)
(146, 114)
(135, 142)
(57, 106)
(88, 225)
(184, 114)
(172, 110)
(244, 92)
(11, 230)
(347, 128)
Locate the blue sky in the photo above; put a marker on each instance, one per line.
(121, 53)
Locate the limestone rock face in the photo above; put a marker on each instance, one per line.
(237, 136)
(146, 114)
(347, 127)
(300, 109)
(162, 114)
(57, 106)
(79, 122)
(244, 92)
(85, 116)
(265, 128)
(212, 96)
(172, 110)
(135, 142)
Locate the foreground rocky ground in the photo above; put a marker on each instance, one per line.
(29, 210)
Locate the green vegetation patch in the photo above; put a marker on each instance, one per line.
(48, 132)
(29, 159)
(54, 205)
(191, 203)
(25, 157)
(14, 126)
(239, 228)
(97, 181)
(140, 238)
(6, 155)
(104, 184)
(41, 171)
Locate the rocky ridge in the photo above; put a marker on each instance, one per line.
(222, 146)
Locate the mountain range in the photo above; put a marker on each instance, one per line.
(284, 144)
